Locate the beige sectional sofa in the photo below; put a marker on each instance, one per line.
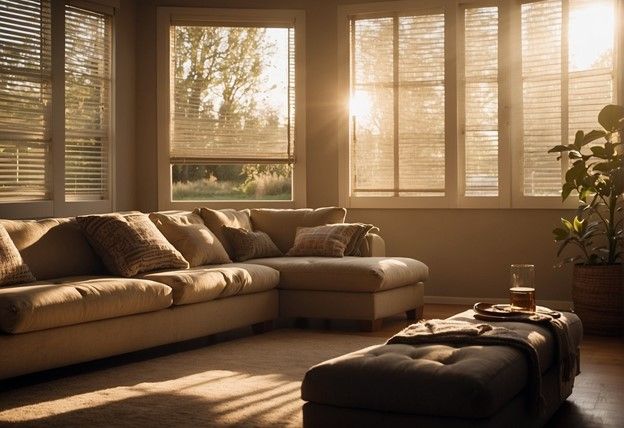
(76, 311)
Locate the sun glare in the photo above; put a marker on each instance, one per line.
(361, 106)
(590, 35)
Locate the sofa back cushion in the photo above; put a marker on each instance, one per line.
(131, 244)
(188, 233)
(281, 225)
(53, 247)
(216, 219)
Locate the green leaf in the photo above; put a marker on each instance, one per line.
(578, 139)
(567, 224)
(610, 116)
(566, 190)
(578, 225)
(575, 154)
(559, 149)
(599, 152)
(592, 136)
(560, 233)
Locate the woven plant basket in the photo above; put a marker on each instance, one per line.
(597, 293)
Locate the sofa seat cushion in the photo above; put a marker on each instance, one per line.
(435, 380)
(354, 274)
(73, 300)
(205, 283)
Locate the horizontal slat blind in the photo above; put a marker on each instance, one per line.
(25, 99)
(481, 101)
(372, 107)
(542, 69)
(87, 104)
(568, 76)
(397, 100)
(221, 113)
(591, 62)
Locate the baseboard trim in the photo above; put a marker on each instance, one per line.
(469, 301)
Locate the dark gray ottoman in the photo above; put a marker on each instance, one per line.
(436, 385)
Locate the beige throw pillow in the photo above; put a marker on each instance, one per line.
(13, 270)
(188, 233)
(325, 241)
(130, 245)
(250, 245)
(216, 219)
(281, 224)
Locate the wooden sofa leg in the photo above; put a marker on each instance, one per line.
(415, 314)
(262, 327)
(371, 325)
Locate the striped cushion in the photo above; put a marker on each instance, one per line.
(325, 241)
(13, 270)
(130, 245)
(250, 245)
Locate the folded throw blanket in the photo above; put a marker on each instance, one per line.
(454, 332)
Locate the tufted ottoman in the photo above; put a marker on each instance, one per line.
(436, 385)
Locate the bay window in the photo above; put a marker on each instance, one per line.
(455, 104)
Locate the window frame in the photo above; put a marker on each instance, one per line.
(57, 205)
(166, 16)
(510, 125)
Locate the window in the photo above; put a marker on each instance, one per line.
(458, 106)
(568, 75)
(233, 134)
(480, 101)
(398, 106)
(25, 100)
(55, 120)
(87, 104)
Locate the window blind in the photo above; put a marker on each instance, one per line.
(568, 76)
(222, 114)
(397, 106)
(481, 101)
(25, 99)
(87, 104)
(542, 68)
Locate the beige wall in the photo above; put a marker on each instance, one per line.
(125, 142)
(468, 251)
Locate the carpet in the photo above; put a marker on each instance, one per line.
(253, 381)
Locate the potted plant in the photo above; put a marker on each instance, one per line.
(596, 177)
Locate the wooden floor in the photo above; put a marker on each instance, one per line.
(598, 397)
(597, 400)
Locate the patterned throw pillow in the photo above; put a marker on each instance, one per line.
(13, 270)
(355, 245)
(216, 219)
(188, 233)
(325, 241)
(130, 245)
(250, 245)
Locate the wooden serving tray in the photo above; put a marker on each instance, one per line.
(504, 312)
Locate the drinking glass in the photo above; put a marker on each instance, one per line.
(522, 287)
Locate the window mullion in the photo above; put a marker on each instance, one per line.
(565, 75)
(395, 79)
(57, 167)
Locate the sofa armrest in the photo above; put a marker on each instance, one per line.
(373, 246)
